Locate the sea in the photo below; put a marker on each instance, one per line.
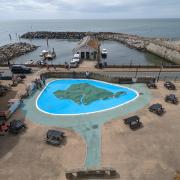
(117, 53)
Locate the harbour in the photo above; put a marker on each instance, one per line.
(104, 92)
(118, 53)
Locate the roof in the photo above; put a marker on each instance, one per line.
(88, 41)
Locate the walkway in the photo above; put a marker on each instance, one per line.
(87, 64)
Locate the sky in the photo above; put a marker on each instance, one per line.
(88, 9)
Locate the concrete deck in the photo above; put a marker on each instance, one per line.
(151, 153)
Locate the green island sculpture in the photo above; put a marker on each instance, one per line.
(85, 93)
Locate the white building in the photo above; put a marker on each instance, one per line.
(87, 48)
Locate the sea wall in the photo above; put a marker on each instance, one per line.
(132, 41)
(11, 51)
(169, 53)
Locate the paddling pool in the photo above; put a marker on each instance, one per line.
(82, 96)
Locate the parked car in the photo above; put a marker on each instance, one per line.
(133, 122)
(76, 58)
(157, 109)
(151, 85)
(171, 98)
(169, 85)
(20, 69)
(16, 126)
(54, 137)
(73, 64)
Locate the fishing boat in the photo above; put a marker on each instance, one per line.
(43, 53)
(48, 55)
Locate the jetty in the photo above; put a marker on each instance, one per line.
(163, 47)
(10, 51)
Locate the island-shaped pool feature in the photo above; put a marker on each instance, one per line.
(82, 96)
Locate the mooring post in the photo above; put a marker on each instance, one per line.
(175, 79)
(98, 56)
(47, 41)
(10, 37)
(136, 72)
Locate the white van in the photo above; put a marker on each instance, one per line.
(76, 58)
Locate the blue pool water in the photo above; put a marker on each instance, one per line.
(48, 103)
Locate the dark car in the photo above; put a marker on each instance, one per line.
(151, 85)
(169, 85)
(55, 137)
(20, 69)
(16, 126)
(133, 122)
(171, 98)
(157, 108)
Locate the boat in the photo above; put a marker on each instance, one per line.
(104, 53)
(30, 62)
(43, 53)
(41, 62)
(50, 56)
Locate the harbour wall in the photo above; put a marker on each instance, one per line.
(132, 41)
(164, 51)
(14, 50)
(157, 46)
(97, 76)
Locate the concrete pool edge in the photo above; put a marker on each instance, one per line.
(108, 109)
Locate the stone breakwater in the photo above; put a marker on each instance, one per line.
(14, 50)
(132, 41)
(158, 46)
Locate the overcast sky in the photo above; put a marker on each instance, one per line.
(91, 9)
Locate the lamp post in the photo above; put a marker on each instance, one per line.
(136, 72)
(160, 70)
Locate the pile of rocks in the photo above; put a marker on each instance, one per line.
(11, 51)
(132, 41)
(53, 35)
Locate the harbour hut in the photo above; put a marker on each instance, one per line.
(87, 48)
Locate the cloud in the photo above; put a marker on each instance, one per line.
(89, 9)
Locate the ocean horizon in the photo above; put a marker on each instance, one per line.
(118, 53)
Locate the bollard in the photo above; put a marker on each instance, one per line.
(165, 78)
(175, 79)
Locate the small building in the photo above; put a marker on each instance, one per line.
(88, 48)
